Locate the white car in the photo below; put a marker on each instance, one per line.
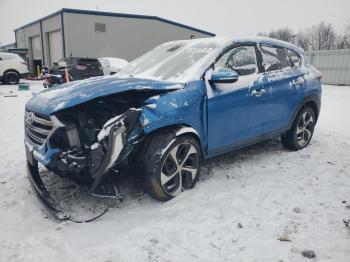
(112, 65)
(12, 68)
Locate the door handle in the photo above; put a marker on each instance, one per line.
(297, 82)
(258, 93)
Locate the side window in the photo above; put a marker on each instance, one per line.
(294, 57)
(274, 58)
(242, 59)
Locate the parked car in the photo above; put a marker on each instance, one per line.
(12, 68)
(112, 65)
(79, 67)
(180, 103)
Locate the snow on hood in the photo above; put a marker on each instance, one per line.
(72, 94)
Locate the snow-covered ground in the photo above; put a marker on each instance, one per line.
(243, 206)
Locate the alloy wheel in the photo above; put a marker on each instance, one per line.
(305, 128)
(179, 169)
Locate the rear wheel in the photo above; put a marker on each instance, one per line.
(299, 136)
(172, 165)
(11, 78)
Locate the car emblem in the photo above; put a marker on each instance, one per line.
(30, 118)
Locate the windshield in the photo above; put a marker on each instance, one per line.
(175, 61)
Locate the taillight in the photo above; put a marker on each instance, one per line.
(81, 67)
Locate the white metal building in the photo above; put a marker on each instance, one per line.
(97, 34)
(333, 64)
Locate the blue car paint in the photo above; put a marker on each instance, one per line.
(44, 154)
(283, 97)
(181, 107)
(223, 121)
(71, 94)
(234, 115)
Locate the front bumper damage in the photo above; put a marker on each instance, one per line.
(121, 139)
(44, 196)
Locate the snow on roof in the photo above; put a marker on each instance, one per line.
(112, 14)
(269, 41)
(153, 66)
(226, 40)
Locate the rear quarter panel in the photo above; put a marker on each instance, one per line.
(311, 90)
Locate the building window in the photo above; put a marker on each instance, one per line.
(100, 27)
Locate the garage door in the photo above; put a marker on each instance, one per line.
(55, 46)
(36, 48)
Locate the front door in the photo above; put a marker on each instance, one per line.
(236, 111)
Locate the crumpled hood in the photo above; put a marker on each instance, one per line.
(68, 95)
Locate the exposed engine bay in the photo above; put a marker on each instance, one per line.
(98, 135)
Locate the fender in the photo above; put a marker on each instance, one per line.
(310, 98)
(182, 129)
(187, 130)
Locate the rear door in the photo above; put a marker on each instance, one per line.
(285, 81)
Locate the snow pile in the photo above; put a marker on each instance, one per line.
(263, 203)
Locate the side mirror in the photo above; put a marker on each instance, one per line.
(224, 75)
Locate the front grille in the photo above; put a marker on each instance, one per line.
(37, 127)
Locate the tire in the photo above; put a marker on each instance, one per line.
(165, 178)
(299, 136)
(11, 78)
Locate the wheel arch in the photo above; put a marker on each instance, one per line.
(11, 70)
(313, 101)
(313, 105)
(179, 130)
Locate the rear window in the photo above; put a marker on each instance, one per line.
(294, 56)
(88, 61)
(274, 58)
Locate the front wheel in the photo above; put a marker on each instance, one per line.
(299, 136)
(172, 165)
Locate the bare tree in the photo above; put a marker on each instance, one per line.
(262, 34)
(343, 40)
(319, 37)
(303, 40)
(322, 37)
(285, 34)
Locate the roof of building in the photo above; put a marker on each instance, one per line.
(100, 13)
(7, 46)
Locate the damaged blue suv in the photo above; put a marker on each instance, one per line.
(180, 103)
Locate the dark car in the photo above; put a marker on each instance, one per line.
(79, 67)
(182, 102)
